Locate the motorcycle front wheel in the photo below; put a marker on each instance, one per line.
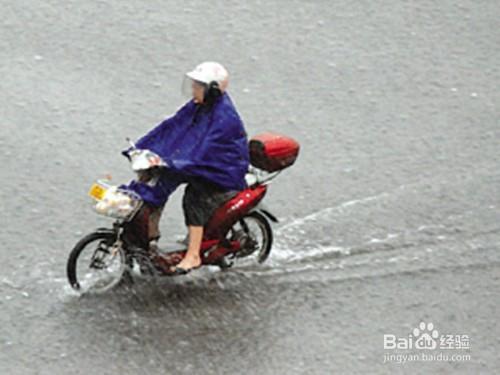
(96, 265)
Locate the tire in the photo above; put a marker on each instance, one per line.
(266, 231)
(103, 241)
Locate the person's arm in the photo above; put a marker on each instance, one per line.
(152, 134)
(144, 141)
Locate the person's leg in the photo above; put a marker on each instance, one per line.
(200, 201)
(193, 220)
(192, 258)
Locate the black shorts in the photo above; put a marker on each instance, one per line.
(201, 199)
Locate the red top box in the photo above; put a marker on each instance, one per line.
(273, 152)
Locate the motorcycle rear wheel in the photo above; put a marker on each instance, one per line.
(256, 237)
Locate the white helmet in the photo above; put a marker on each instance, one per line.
(210, 72)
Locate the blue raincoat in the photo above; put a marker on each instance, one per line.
(198, 141)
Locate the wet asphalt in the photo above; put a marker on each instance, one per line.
(390, 217)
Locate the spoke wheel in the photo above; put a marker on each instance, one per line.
(256, 237)
(95, 264)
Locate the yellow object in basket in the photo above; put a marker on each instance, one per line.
(97, 191)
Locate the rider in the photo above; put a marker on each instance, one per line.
(204, 145)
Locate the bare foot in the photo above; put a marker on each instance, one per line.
(189, 262)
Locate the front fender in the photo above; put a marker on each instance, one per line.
(106, 231)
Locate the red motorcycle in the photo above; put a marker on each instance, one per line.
(238, 229)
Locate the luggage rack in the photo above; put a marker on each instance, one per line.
(257, 176)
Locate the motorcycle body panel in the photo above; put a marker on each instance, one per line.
(225, 217)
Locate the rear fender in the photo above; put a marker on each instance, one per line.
(264, 211)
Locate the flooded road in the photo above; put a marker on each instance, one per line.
(390, 217)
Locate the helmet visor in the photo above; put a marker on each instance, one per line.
(193, 89)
